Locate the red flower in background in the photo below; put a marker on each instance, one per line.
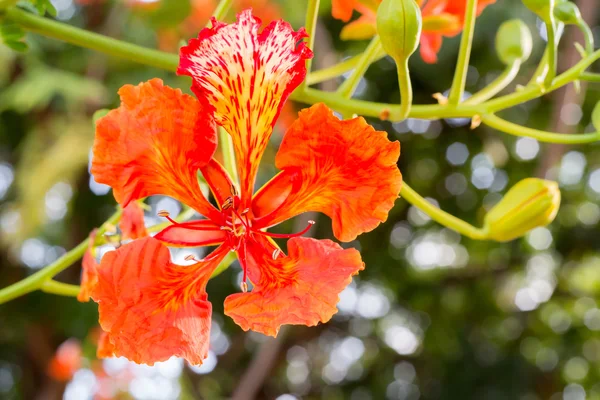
(440, 18)
(66, 361)
(158, 140)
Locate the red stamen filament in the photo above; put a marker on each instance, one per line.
(287, 235)
(165, 214)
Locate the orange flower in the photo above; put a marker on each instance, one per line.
(440, 18)
(66, 361)
(158, 140)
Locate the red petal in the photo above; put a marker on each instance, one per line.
(246, 77)
(218, 180)
(132, 222)
(345, 169)
(452, 7)
(300, 289)
(192, 234)
(151, 308)
(154, 143)
(431, 44)
(89, 271)
(66, 361)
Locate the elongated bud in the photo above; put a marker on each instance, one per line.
(513, 42)
(542, 8)
(399, 27)
(529, 204)
(567, 13)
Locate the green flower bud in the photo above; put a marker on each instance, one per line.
(513, 42)
(399, 27)
(567, 13)
(542, 8)
(529, 204)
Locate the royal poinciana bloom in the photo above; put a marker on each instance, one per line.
(440, 18)
(157, 142)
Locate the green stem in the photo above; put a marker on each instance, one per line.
(62, 289)
(349, 86)
(466, 42)
(533, 91)
(541, 71)
(226, 143)
(552, 54)
(338, 69)
(35, 281)
(222, 9)
(406, 92)
(307, 95)
(393, 112)
(590, 77)
(440, 216)
(310, 24)
(543, 136)
(588, 36)
(91, 40)
(501, 82)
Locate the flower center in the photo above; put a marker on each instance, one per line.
(238, 225)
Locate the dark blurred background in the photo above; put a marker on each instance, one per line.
(433, 316)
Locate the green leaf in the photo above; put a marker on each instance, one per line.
(50, 8)
(38, 86)
(38, 6)
(17, 46)
(10, 31)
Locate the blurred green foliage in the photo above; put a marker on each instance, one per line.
(433, 316)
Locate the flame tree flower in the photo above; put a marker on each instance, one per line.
(440, 18)
(158, 140)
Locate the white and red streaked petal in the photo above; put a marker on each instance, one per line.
(246, 77)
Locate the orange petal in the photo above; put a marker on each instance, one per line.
(132, 222)
(342, 9)
(192, 234)
(246, 77)
(300, 289)
(105, 347)
(453, 8)
(154, 143)
(66, 361)
(151, 308)
(430, 45)
(345, 169)
(89, 271)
